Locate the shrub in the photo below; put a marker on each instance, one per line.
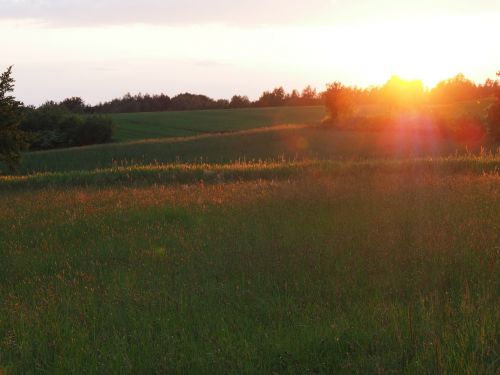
(339, 101)
(494, 122)
(94, 130)
(52, 126)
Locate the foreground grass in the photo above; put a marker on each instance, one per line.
(369, 271)
(138, 126)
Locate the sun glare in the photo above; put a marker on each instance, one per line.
(429, 50)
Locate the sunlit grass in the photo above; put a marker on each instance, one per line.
(180, 173)
(311, 267)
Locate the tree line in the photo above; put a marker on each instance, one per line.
(399, 99)
(49, 126)
(187, 101)
(455, 89)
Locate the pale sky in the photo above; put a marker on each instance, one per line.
(102, 49)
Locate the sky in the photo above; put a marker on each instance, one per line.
(102, 49)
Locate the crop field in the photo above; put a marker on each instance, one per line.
(310, 267)
(138, 126)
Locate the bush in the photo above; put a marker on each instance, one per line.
(52, 126)
(339, 101)
(94, 130)
(494, 122)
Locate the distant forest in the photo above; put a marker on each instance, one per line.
(458, 88)
(187, 101)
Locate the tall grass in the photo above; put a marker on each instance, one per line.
(390, 268)
(178, 173)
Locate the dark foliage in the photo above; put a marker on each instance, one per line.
(494, 121)
(75, 105)
(136, 103)
(239, 101)
(54, 126)
(187, 102)
(12, 139)
(339, 100)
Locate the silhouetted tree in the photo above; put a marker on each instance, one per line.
(494, 117)
(339, 100)
(309, 96)
(293, 99)
(12, 139)
(455, 89)
(74, 105)
(275, 98)
(238, 101)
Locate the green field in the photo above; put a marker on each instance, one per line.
(137, 126)
(280, 250)
(277, 143)
(375, 267)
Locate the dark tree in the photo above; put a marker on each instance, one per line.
(339, 100)
(275, 98)
(12, 139)
(53, 126)
(74, 104)
(494, 118)
(238, 101)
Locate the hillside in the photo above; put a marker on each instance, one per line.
(138, 126)
(292, 142)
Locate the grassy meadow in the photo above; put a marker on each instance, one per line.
(281, 250)
(319, 268)
(138, 126)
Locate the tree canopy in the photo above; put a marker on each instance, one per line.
(12, 139)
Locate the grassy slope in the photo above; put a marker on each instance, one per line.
(272, 143)
(242, 143)
(376, 270)
(137, 126)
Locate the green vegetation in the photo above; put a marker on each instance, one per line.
(12, 139)
(289, 249)
(138, 126)
(136, 176)
(278, 143)
(52, 126)
(370, 267)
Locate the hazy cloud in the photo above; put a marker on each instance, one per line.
(92, 12)
(240, 12)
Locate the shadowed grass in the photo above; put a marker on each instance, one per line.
(137, 126)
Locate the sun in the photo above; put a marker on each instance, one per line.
(429, 50)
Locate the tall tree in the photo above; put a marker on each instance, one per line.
(12, 139)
